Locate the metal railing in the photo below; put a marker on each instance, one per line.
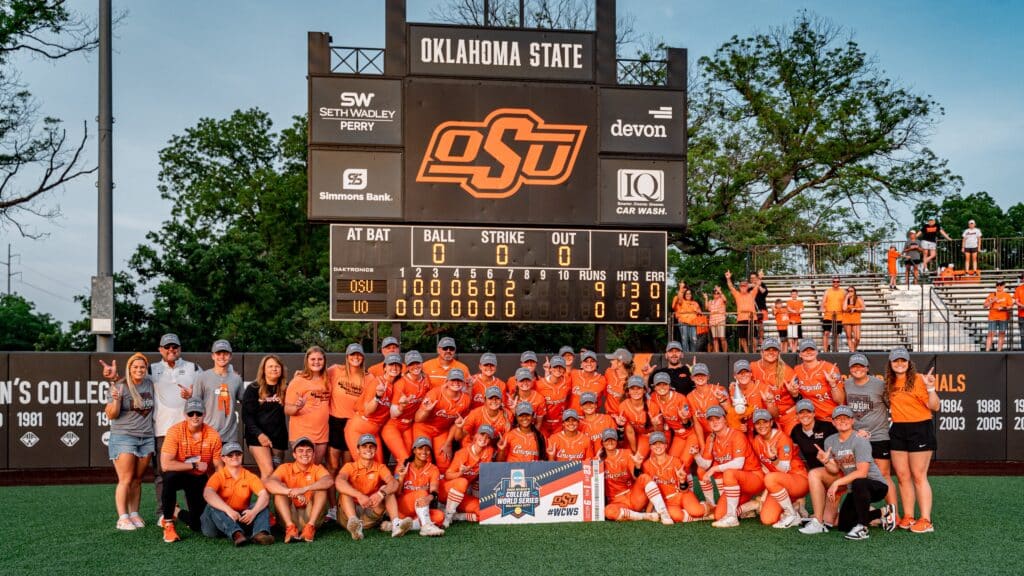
(353, 60)
(871, 257)
(642, 72)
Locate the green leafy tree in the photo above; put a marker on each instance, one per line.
(21, 328)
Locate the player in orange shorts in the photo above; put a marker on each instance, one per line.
(374, 407)
(367, 490)
(409, 392)
(786, 477)
(666, 491)
(463, 476)
(300, 492)
(586, 379)
(729, 461)
(419, 481)
(670, 411)
(524, 443)
(633, 415)
(569, 443)
(437, 415)
(625, 492)
(593, 423)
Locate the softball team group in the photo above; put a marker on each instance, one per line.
(676, 447)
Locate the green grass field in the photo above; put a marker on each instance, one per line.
(70, 530)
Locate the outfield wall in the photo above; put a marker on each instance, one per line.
(51, 404)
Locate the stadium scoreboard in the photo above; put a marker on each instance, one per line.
(490, 274)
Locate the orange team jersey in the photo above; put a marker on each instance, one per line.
(581, 382)
(465, 457)
(236, 492)
(775, 382)
(414, 392)
(664, 473)
(420, 479)
(753, 398)
(293, 475)
(796, 308)
(615, 389)
(535, 399)
(702, 398)
(501, 422)
(478, 384)
(909, 406)
(594, 425)
(562, 448)
(366, 479)
(781, 314)
(814, 386)
(521, 446)
(673, 409)
(511, 385)
(382, 408)
(311, 419)
(447, 410)
(728, 445)
(438, 374)
(833, 300)
(636, 417)
(556, 395)
(180, 443)
(784, 452)
(378, 369)
(999, 305)
(346, 387)
(618, 473)
(891, 258)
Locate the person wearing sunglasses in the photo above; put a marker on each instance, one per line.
(437, 368)
(191, 452)
(230, 510)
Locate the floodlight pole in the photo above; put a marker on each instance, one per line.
(105, 231)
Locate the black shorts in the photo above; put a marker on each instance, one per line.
(278, 442)
(743, 329)
(971, 250)
(827, 324)
(881, 449)
(912, 436)
(336, 433)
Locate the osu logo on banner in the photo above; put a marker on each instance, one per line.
(494, 158)
(564, 500)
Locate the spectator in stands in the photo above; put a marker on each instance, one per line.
(912, 255)
(999, 304)
(795, 331)
(948, 275)
(761, 301)
(928, 238)
(853, 306)
(746, 310)
(686, 310)
(1018, 296)
(832, 315)
(970, 246)
(891, 258)
(716, 321)
(781, 314)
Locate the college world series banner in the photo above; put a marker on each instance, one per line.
(541, 492)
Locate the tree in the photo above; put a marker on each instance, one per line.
(36, 157)
(25, 329)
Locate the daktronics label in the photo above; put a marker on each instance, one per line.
(496, 157)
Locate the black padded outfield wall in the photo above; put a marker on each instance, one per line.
(51, 404)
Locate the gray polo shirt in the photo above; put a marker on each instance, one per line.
(221, 396)
(870, 412)
(849, 453)
(135, 420)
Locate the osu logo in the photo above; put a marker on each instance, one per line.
(564, 500)
(494, 158)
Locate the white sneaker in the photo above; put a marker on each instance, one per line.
(889, 520)
(666, 519)
(787, 521)
(814, 526)
(400, 527)
(355, 528)
(332, 514)
(447, 520)
(125, 524)
(431, 530)
(859, 532)
(727, 521)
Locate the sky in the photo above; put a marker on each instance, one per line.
(177, 62)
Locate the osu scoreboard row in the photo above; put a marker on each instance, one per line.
(476, 274)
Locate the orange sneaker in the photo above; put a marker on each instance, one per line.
(170, 534)
(906, 523)
(922, 526)
(291, 534)
(308, 532)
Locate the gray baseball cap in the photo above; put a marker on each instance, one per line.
(588, 397)
(661, 378)
(557, 362)
(389, 341)
(421, 442)
(656, 437)
(674, 345)
(805, 344)
(169, 338)
(393, 359)
(456, 374)
(524, 408)
(566, 350)
(588, 355)
(804, 404)
(194, 405)
(354, 348)
(715, 411)
(488, 359)
(303, 440)
(367, 439)
(528, 356)
(858, 360)
(524, 374)
(570, 413)
(899, 354)
(230, 447)
(842, 410)
(771, 343)
(740, 366)
(486, 429)
(221, 346)
(492, 392)
(761, 414)
(413, 357)
(620, 354)
(634, 382)
(609, 434)
(446, 342)
(700, 368)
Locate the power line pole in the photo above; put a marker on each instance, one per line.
(102, 286)
(10, 263)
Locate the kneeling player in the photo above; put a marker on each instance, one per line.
(367, 489)
(625, 490)
(786, 478)
(666, 491)
(464, 473)
(419, 480)
(727, 459)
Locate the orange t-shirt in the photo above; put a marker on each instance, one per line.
(311, 419)
(595, 425)
(465, 457)
(781, 316)
(746, 304)
(438, 374)
(909, 406)
(346, 388)
(556, 396)
(852, 314)
(420, 479)
(562, 448)
(1018, 295)
(890, 260)
(581, 382)
(501, 422)
(521, 446)
(833, 300)
(447, 410)
(180, 443)
(673, 408)
(796, 308)
(814, 386)
(997, 300)
(728, 445)
(382, 408)
(664, 474)
(293, 475)
(769, 377)
(615, 390)
(414, 393)
(784, 452)
(366, 479)
(236, 492)
(636, 417)
(687, 311)
(702, 398)
(618, 473)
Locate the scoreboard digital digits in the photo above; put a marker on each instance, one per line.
(476, 274)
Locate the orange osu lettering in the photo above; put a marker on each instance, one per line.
(494, 158)
(564, 500)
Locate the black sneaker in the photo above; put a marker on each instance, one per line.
(859, 532)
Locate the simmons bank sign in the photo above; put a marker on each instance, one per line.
(492, 53)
